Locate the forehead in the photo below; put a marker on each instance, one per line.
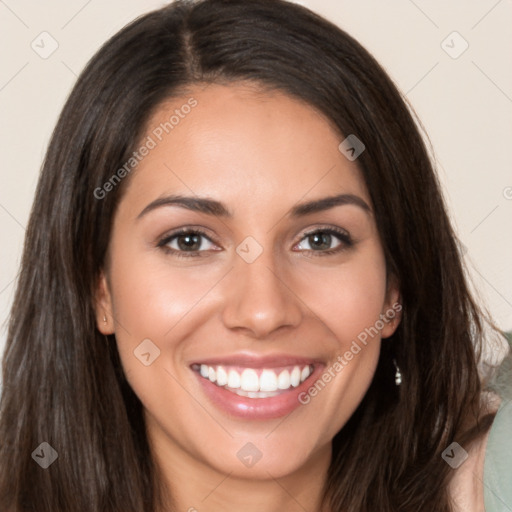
(239, 142)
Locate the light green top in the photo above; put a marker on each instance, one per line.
(498, 454)
(498, 462)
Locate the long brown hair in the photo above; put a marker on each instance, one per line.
(64, 385)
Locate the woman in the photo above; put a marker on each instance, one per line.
(240, 288)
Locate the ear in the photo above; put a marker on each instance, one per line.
(391, 314)
(103, 299)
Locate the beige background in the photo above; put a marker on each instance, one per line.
(465, 104)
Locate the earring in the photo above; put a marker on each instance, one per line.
(104, 319)
(398, 374)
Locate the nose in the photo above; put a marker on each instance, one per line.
(260, 300)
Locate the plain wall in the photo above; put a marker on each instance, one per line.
(464, 102)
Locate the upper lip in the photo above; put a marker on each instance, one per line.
(258, 361)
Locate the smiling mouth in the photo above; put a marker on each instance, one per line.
(255, 382)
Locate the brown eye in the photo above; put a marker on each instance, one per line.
(321, 241)
(186, 241)
(189, 242)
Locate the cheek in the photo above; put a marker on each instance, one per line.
(348, 301)
(350, 298)
(163, 303)
(150, 296)
(153, 305)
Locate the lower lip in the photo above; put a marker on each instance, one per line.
(257, 408)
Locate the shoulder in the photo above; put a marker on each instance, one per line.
(483, 482)
(468, 484)
(497, 475)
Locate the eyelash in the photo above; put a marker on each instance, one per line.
(342, 235)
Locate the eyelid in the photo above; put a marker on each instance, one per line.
(186, 230)
(327, 227)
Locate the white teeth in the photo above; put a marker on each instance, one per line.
(304, 374)
(268, 381)
(233, 379)
(222, 376)
(294, 377)
(283, 381)
(249, 380)
(255, 394)
(253, 383)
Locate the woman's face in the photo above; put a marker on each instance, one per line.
(251, 337)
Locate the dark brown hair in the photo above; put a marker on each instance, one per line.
(64, 385)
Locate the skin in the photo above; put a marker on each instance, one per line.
(259, 153)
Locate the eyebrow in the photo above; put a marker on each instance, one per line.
(213, 207)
